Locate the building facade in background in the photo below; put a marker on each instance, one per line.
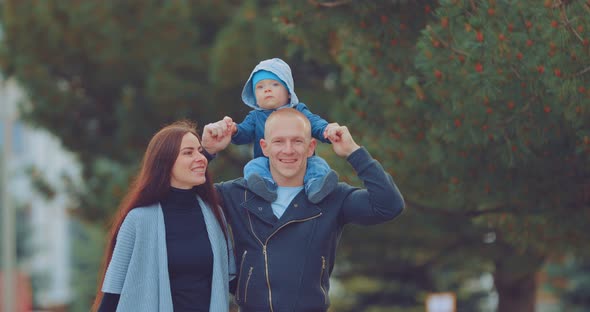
(38, 169)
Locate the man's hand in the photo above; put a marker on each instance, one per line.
(217, 135)
(342, 141)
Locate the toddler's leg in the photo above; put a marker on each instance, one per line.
(319, 179)
(259, 179)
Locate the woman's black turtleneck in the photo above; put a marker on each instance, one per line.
(190, 259)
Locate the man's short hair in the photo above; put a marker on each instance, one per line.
(288, 112)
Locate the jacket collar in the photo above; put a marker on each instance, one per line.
(299, 209)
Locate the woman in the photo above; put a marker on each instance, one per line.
(168, 248)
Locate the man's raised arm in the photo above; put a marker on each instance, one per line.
(380, 200)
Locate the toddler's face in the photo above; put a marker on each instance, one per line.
(271, 94)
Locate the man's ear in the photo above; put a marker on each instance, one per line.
(312, 144)
(263, 145)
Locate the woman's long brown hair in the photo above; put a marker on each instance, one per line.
(152, 183)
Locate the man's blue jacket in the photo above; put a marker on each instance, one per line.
(285, 264)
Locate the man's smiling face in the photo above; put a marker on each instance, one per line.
(287, 144)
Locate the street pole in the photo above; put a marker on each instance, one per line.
(8, 214)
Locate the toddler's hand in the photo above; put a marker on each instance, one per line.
(330, 130)
(231, 126)
(342, 142)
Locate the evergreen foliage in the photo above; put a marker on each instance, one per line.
(482, 111)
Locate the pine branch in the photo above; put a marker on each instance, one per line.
(516, 72)
(444, 43)
(450, 249)
(468, 213)
(558, 3)
(568, 24)
(429, 210)
(473, 6)
(585, 70)
(513, 116)
(329, 4)
(523, 20)
(508, 143)
(495, 210)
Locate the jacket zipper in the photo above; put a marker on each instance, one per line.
(265, 253)
(321, 279)
(240, 279)
(246, 286)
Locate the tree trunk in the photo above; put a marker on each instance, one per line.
(516, 295)
(515, 281)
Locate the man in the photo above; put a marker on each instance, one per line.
(286, 249)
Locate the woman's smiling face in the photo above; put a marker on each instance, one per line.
(190, 165)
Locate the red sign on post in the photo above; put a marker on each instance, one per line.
(24, 294)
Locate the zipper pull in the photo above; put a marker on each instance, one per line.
(323, 262)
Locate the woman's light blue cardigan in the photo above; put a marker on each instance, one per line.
(138, 270)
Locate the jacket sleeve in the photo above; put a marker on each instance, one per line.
(246, 132)
(117, 268)
(318, 124)
(379, 202)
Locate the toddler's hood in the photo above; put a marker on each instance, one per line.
(277, 67)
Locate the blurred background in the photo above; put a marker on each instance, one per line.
(480, 110)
